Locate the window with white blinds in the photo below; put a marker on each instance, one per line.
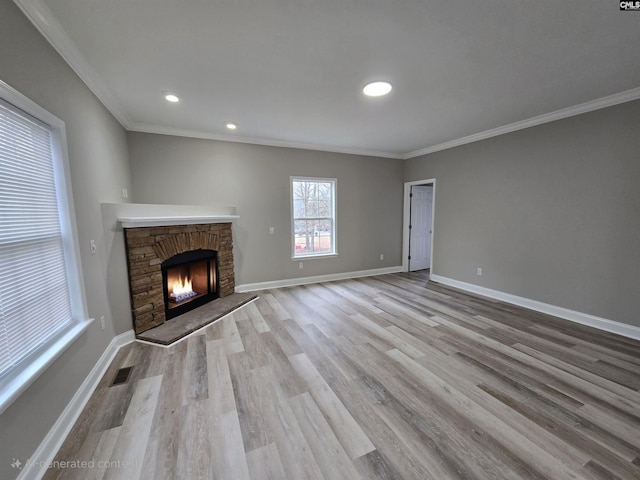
(34, 289)
(313, 212)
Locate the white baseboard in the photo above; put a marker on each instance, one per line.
(252, 287)
(46, 451)
(600, 323)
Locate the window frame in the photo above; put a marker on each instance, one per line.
(309, 256)
(14, 382)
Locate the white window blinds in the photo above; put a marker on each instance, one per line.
(34, 290)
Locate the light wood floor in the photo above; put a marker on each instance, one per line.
(377, 378)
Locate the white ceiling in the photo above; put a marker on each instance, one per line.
(290, 72)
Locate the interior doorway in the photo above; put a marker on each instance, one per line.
(419, 207)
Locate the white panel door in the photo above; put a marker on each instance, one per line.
(420, 237)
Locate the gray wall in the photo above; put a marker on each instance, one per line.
(255, 179)
(99, 170)
(551, 213)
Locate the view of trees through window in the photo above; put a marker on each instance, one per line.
(313, 216)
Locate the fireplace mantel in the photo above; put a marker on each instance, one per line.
(137, 215)
(162, 221)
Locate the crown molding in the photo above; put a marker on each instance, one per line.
(160, 130)
(42, 18)
(604, 102)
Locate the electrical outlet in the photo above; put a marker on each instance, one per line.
(300, 265)
(382, 256)
(92, 245)
(479, 271)
(125, 193)
(272, 230)
(102, 322)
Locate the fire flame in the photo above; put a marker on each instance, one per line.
(180, 287)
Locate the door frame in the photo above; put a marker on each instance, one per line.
(407, 218)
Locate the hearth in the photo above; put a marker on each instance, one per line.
(189, 279)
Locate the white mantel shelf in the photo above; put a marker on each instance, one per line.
(135, 222)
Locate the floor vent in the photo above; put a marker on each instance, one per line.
(122, 376)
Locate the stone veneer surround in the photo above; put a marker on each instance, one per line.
(148, 247)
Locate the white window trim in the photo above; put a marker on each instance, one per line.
(17, 381)
(303, 258)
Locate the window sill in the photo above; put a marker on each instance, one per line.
(15, 383)
(311, 257)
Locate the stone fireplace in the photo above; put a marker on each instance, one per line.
(175, 268)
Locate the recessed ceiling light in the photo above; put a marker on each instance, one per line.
(232, 125)
(171, 97)
(376, 89)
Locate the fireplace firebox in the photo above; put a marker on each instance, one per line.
(189, 280)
